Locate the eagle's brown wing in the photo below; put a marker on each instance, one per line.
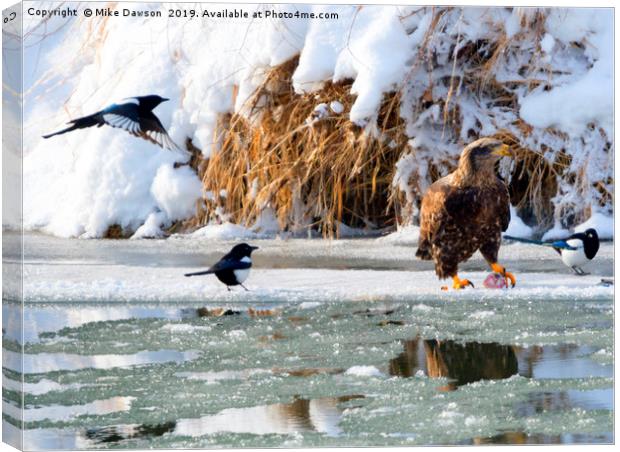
(434, 216)
(494, 220)
(455, 222)
(503, 201)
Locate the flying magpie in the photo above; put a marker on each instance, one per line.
(234, 267)
(576, 250)
(134, 116)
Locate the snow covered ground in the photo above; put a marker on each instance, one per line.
(285, 271)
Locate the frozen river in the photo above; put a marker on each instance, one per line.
(346, 342)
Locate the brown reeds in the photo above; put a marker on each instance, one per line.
(314, 168)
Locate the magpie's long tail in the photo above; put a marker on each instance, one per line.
(206, 272)
(80, 123)
(559, 244)
(524, 240)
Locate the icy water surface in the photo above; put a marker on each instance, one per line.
(357, 350)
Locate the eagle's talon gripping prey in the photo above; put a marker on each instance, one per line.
(497, 268)
(466, 211)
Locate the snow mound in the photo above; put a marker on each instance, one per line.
(517, 228)
(405, 235)
(151, 229)
(224, 231)
(266, 226)
(176, 191)
(556, 232)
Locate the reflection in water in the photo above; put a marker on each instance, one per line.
(48, 319)
(547, 401)
(541, 438)
(43, 386)
(466, 363)
(408, 362)
(316, 415)
(116, 433)
(560, 361)
(49, 362)
(67, 412)
(462, 363)
(302, 415)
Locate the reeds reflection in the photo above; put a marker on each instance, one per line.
(462, 363)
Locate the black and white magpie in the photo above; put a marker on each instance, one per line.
(134, 116)
(576, 250)
(582, 247)
(234, 268)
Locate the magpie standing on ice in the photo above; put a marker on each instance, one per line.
(582, 247)
(233, 268)
(576, 250)
(134, 116)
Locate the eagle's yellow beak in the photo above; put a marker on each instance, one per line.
(503, 150)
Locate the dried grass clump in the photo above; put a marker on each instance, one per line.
(314, 169)
(533, 180)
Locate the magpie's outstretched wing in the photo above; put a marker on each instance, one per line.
(153, 131)
(148, 127)
(223, 265)
(123, 116)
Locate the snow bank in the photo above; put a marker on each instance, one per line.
(603, 224)
(563, 106)
(377, 51)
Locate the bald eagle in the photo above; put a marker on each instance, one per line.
(466, 211)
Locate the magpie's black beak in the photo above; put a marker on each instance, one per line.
(164, 99)
(253, 248)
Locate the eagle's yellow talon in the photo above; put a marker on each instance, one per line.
(511, 277)
(460, 283)
(497, 268)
